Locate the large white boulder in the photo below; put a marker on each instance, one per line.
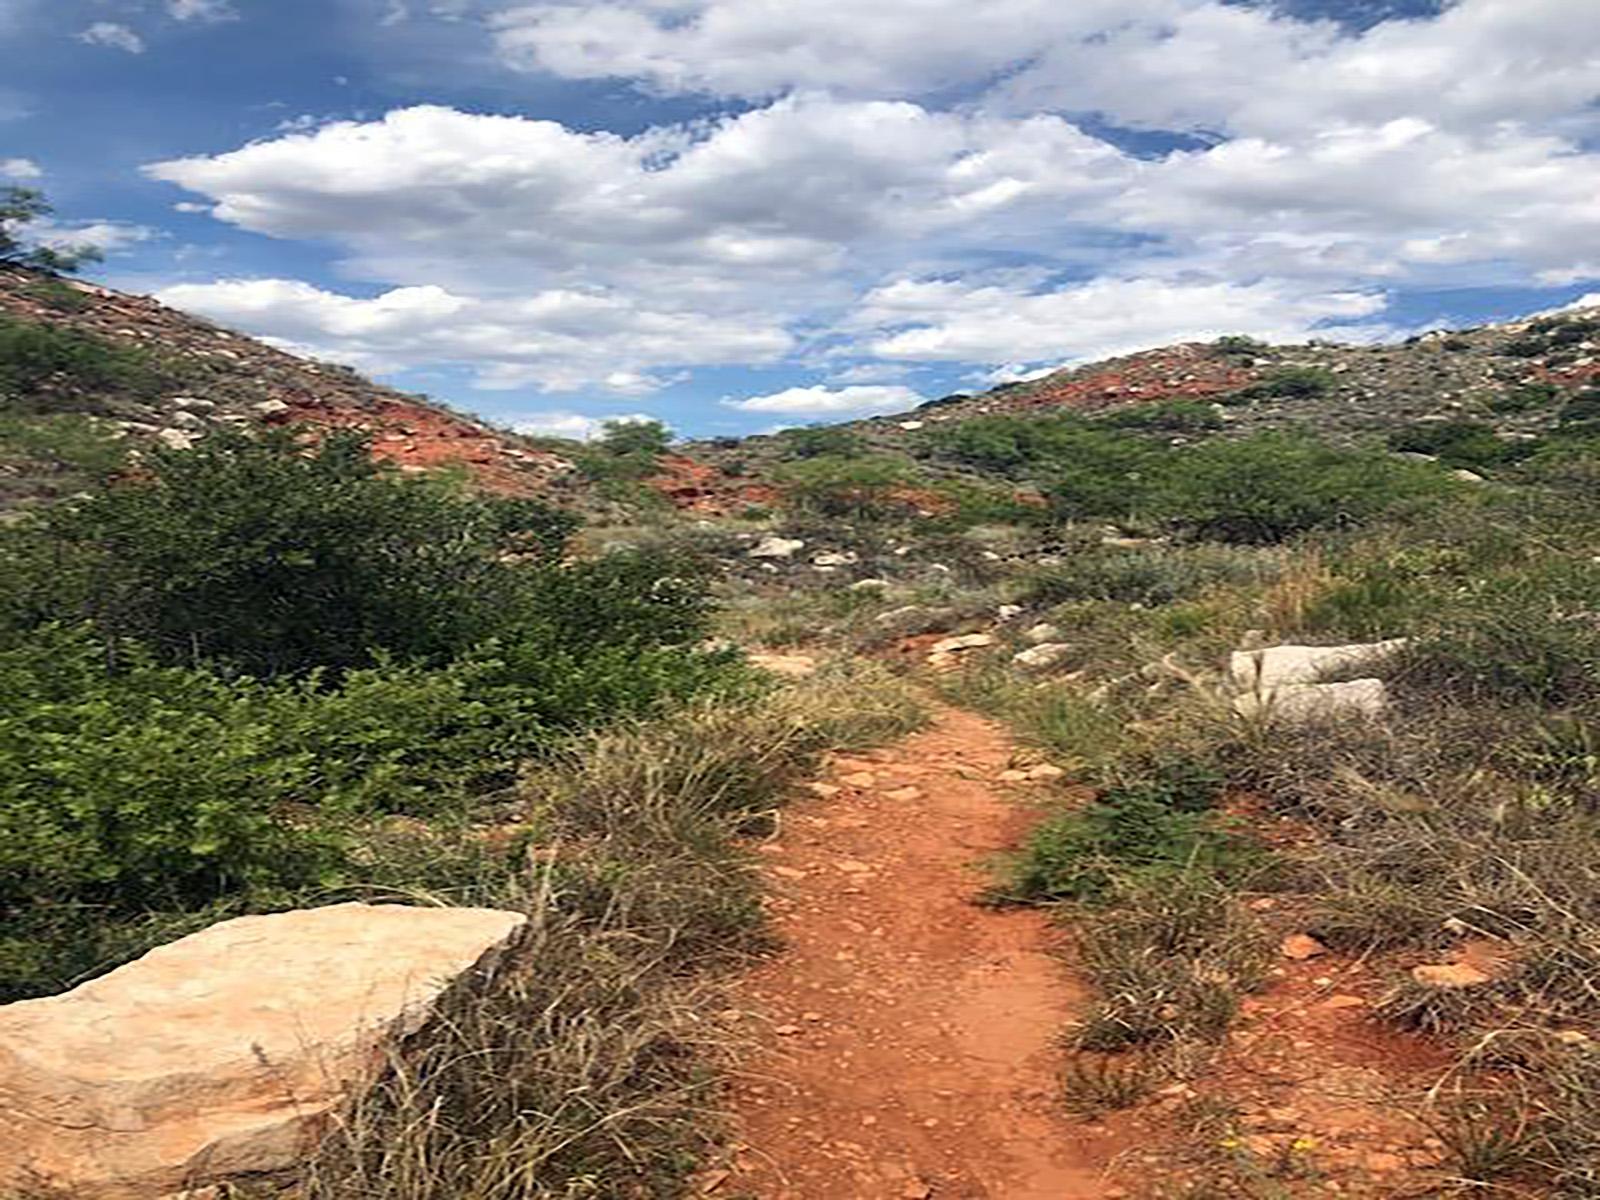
(1308, 702)
(222, 1054)
(1279, 666)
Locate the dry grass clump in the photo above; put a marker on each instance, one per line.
(587, 1067)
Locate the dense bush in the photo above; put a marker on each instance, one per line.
(821, 441)
(34, 359)
(626, 451)
(251, 553)
(1287, 383)
(1458, 443)
(831, 486)
(1272, 487)
(1150, 577)
(1166, 416)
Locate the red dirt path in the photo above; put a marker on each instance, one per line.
(911, 1047)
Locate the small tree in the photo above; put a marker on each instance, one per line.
(21, 207)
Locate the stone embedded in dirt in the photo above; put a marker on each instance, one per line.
(1342, 1002)
(790, 666)
(1042, 633)
(861, 779)
(962, 643)
(1043, 656)
(824, 791)
(1012, 776)
(835, 558)
(786, 1030)
(1007, 612)
(1450, 975)
(1301, 946)
(905, 794)
(1045, 773)
(222, 1054)
(776, 547)
(870, 585)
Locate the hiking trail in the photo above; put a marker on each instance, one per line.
(910, 1045)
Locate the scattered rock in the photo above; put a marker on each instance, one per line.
(861, 779)
(870, 585)
(178, 1070)
(776, 547)
(1045, 773)
(905, 794)
(176, 439)
(962, 643)
(1008, 612)
(1301, 946)
(1450, 975)
(824, 791)
(1466, 476)
(270, 408)
(912, 619)
(835, 558)
(1042, 657)
(1042, 633)
(791, 666)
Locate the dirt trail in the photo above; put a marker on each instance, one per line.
(911, 1044)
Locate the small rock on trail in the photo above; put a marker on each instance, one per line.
(912, 1045)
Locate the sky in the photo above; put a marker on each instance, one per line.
(737, 215)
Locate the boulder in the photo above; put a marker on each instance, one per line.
(1277, 666)
(776, 547)
(1042, 657)
(224, 1053)
(270, 408)
(912, 619)
(1306, 702)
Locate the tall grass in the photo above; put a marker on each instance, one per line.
(588, 1068)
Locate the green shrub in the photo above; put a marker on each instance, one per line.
(21, 207)
(1287, 383)
(1130, 833)
(249, 552)
(1151, 577)
(1525, 397)
(859, 488)
(1166, 416)
(41, 365)
(1458, 443)
(625, 452)
(1274, 486)
(821, 441)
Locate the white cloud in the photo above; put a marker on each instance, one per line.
(775, 192)
(834, 402)
(552, 340)
(209, 11)
(565, 423)
(108, 237)
(114, 36)
(857, 212)
(941, 320)
(20, 169)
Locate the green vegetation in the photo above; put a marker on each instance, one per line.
(821, 441)
(21, 207)
(45, 368)
(1286, 383)
(220, 677)
(626, 451)
(1459, 443)
(856, 487)
(1166, 416)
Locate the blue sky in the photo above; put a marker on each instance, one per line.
(738, 214)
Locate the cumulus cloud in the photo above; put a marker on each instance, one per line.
(552, 340)
(774, 192)
(210, 12)
(565, 423)
(20, 169)
(945, 320)
(114, 36)
(833, 402)
(854, 213)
